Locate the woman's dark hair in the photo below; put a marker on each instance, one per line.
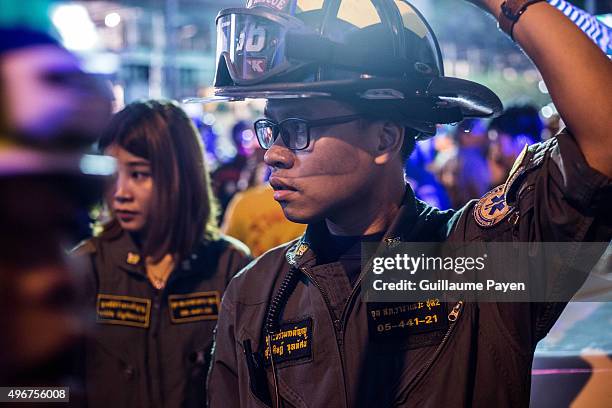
(184, 209)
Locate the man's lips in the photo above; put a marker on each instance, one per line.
(282, 189)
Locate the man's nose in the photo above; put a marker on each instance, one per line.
(279, 156)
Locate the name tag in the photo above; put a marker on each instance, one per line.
(194, 306)
(292, 342)
(123, 310)
(416, 324)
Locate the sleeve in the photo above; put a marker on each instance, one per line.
(83, 255)
(222, 383)
(557, 197)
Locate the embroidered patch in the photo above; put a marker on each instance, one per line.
(123, 310)
(416, 324)
(301, 250)
(194, 306)
(132, 258)
(491, 208)
(296, 252)
(292, 342)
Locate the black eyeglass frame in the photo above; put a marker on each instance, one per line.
(277, 128)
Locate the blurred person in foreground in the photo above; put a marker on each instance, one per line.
(160, 266)
(509, 133)
(51, 112)
(351, 86)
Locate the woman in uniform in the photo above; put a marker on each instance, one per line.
(159, 266)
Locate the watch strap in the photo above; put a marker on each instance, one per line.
(511, 11)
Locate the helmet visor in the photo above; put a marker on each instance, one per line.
(252, 43)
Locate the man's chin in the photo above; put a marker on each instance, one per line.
(300, 216)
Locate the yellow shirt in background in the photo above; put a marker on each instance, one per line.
(254, 218)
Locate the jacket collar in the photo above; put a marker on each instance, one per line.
(128, 257)
(302, 253)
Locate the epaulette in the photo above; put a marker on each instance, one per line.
(530, 158)
(517, 169)
(86, 247)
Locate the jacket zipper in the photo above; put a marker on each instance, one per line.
(351, 296)
(452, 317)
(338, 328)
(388, 242)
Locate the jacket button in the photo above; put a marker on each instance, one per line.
(128, 371)
(197, 357)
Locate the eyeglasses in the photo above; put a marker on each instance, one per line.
(294, 132)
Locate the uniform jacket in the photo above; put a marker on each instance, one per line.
(480, 354)
(149, 347)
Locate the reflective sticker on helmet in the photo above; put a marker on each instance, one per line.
(309, 5)
(280, 5)
(253, 41)
(360, 13)
(411, 20)
(257, 65)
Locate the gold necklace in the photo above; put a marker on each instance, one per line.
(158, 273)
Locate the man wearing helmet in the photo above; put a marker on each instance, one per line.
(351, 85)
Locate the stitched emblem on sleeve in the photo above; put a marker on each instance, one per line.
(492, 208)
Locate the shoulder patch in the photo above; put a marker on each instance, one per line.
(492, 208)
(86, 247)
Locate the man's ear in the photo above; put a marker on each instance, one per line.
(390, 140)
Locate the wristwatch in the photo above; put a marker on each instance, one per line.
(511, 11)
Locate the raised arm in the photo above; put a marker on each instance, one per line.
(576, 72)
